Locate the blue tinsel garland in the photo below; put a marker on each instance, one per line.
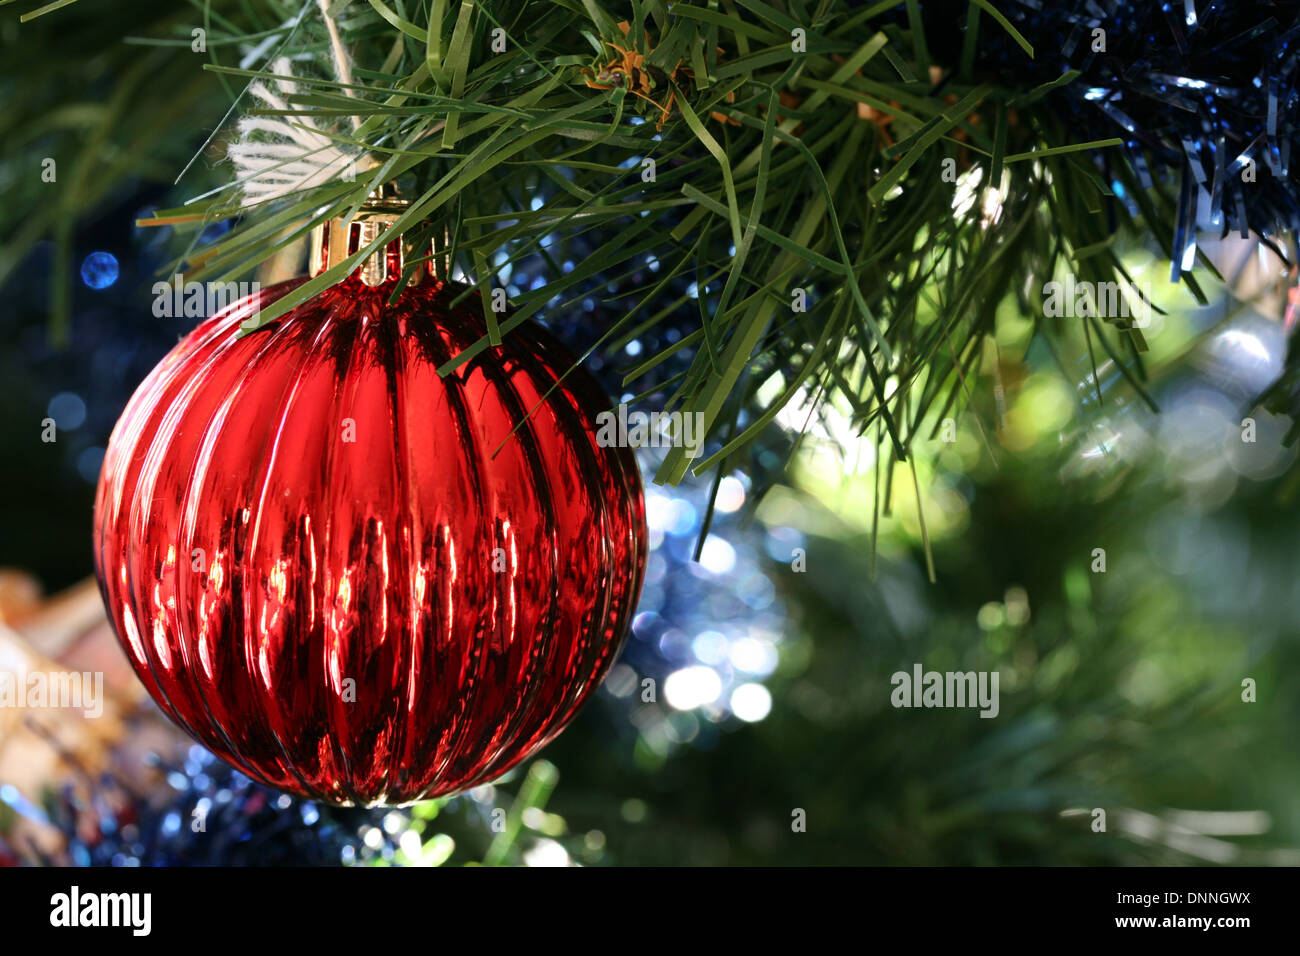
(1199, 92)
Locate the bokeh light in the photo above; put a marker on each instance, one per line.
(99, 270)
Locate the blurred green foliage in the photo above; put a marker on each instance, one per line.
(1119, 690)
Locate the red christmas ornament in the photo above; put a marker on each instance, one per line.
(339, 571)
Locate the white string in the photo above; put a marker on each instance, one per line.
(342, 65)
(275, 156)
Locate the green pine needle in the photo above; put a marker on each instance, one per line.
(756, 147)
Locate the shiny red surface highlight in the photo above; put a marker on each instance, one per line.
(311, 505)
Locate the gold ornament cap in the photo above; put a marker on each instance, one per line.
(337, 238)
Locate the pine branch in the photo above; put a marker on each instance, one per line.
(764, 147)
